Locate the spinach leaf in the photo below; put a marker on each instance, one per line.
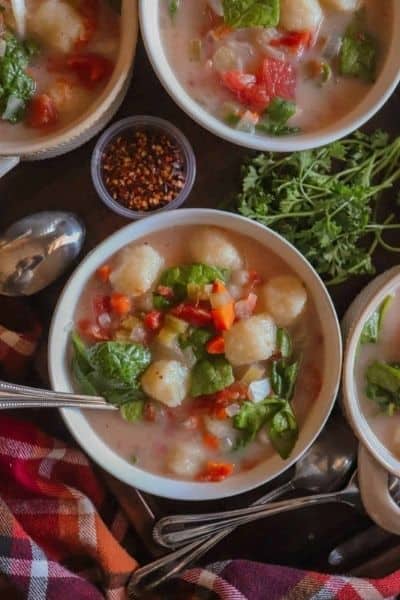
(383, 385)
(196, 338)
(120, 361)
(276, 415)
(283, 378)
(178, 278)
(132, 411)
(211, 375)
(358, 52)
(372, 328)
(274, 121)
(251, 13)
(284, 343)
(16, 87)
(110, 369)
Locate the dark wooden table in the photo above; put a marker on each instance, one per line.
(64, 183)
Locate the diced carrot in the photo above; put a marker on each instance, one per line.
(220, 413)
(218, 287)
(224, 316)
(216, 345)
(120, 304)
(216, 471)
(103, 273)
(211, 441)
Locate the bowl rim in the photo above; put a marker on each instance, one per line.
(387, 81)
(160, 485)
(357, 419)
(95, 111)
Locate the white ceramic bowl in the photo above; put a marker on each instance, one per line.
(92, 120)
(375, 460)
(386, 83)
(165, 486)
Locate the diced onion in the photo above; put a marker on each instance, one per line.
(19, 10)
(232, 410)
(240, 277)
(259, 390)
(104, 320)
(138, 334)
(248, 122)
(224, 59)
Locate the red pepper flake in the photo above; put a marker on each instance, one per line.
(144, 171)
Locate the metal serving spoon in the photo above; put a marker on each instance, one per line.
(311, 473)
(36, 250)
(324, 467)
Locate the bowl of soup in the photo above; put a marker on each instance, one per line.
(64, 70)
(290, 75)
(370, 396)
(216, 340)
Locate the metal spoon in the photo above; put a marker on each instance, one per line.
(36, 250)
(156, 573)
(324, 467)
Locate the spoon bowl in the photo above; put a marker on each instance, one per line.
(36, 250)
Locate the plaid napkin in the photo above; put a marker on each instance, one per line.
(62, 535)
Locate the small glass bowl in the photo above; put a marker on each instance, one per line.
(142, 123)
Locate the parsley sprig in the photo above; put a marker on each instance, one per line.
(325, 201)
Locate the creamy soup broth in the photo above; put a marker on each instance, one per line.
(317, 105)
(150, 444)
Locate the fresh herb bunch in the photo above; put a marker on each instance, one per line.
(325, 201)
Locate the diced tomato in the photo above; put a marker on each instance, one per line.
(236, 391)
(216, 345)
(103, 273)
(216, 472)
(90, 68)
(165, 291)
(91, 331)
(218, 287)
(198, 316)
(149, 412)
(41, 112)
(101, 305)
(278, 77)
(296, 41)
(245, 308)
(153, 320)
(210, 441)
(120, 304)
(247, 89)
(220, 413)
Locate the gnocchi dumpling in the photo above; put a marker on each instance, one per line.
(343, 5)
(284, 298)
(251, 340)
(137, 270)
(211, 246)
(185, 459)
(167, 381)
(57, 24)
(300, 15)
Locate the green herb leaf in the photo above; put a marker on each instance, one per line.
(276, 117)
(119, 361)
(383, 385)
(178, 278)
(173, 7)
(326, 201)
(16, 87)
(211, 375)
(283, 378)
(284, 343)
(358, 52)
(283, 431)
(132, 411)
(196, 338)
(251, 13)
(372, 328)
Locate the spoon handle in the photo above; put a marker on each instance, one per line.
(25, 390)
(160, 529)
(14, 401)
(157, 572)
(170, 528)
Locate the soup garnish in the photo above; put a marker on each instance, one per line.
(377, 373)
(205, 341)
(276, 67)
(54, 74)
